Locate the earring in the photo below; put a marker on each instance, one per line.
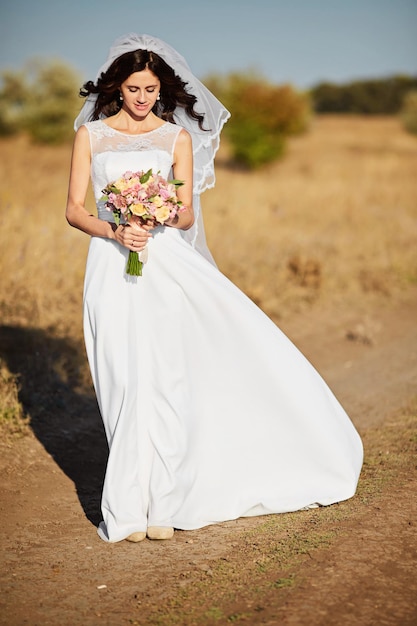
(120, 97)
(158, 96)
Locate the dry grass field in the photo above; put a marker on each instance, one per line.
(325, 241)
(335, 221)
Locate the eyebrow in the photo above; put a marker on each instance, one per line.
(146, 86)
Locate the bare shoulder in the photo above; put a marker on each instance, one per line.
(82, 133)
(81, 147)
(183, 145)
(82, 137)
(184, 138)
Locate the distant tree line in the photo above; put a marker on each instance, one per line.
(42, 100)
(369, 97)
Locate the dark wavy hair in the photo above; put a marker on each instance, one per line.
(173, 91)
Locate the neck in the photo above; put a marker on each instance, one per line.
(134, 125)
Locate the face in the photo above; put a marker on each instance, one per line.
(140, 91)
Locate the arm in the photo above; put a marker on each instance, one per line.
(76, 213)
(183, 170)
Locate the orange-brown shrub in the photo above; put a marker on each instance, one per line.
(263, 116)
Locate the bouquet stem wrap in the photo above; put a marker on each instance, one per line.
(134, 266)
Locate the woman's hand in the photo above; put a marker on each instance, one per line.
(132, 236)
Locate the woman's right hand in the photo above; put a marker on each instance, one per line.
(132, 238)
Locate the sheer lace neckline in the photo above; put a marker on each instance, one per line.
(120, 132)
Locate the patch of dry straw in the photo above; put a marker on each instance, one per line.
(334, 221)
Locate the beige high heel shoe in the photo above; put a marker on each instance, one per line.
(136, 537)
(160, 532)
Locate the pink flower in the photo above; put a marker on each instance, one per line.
(153, 189)
(141, 194)
(165, 193)
(118, 201)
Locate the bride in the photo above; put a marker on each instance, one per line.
(210, 412)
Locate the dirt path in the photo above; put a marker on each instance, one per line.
(368, 358)
(361, 568)
(369, 575)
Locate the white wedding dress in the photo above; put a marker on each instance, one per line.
(210, 412)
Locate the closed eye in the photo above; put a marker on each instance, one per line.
(135, 89)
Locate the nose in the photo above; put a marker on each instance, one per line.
(141, 97)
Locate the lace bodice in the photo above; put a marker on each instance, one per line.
(114, 153)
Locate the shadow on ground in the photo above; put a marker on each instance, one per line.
(56, 394)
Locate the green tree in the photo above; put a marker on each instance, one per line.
(41, 100)
(409, 112)
(13, 99)
(263, 116)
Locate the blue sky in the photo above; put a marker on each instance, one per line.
(297, 41)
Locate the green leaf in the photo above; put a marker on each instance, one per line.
(146, 176)
(176, 182)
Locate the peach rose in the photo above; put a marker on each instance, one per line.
(138, 209)
(162, 214)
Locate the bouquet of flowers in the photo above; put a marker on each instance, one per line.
(139, 197)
